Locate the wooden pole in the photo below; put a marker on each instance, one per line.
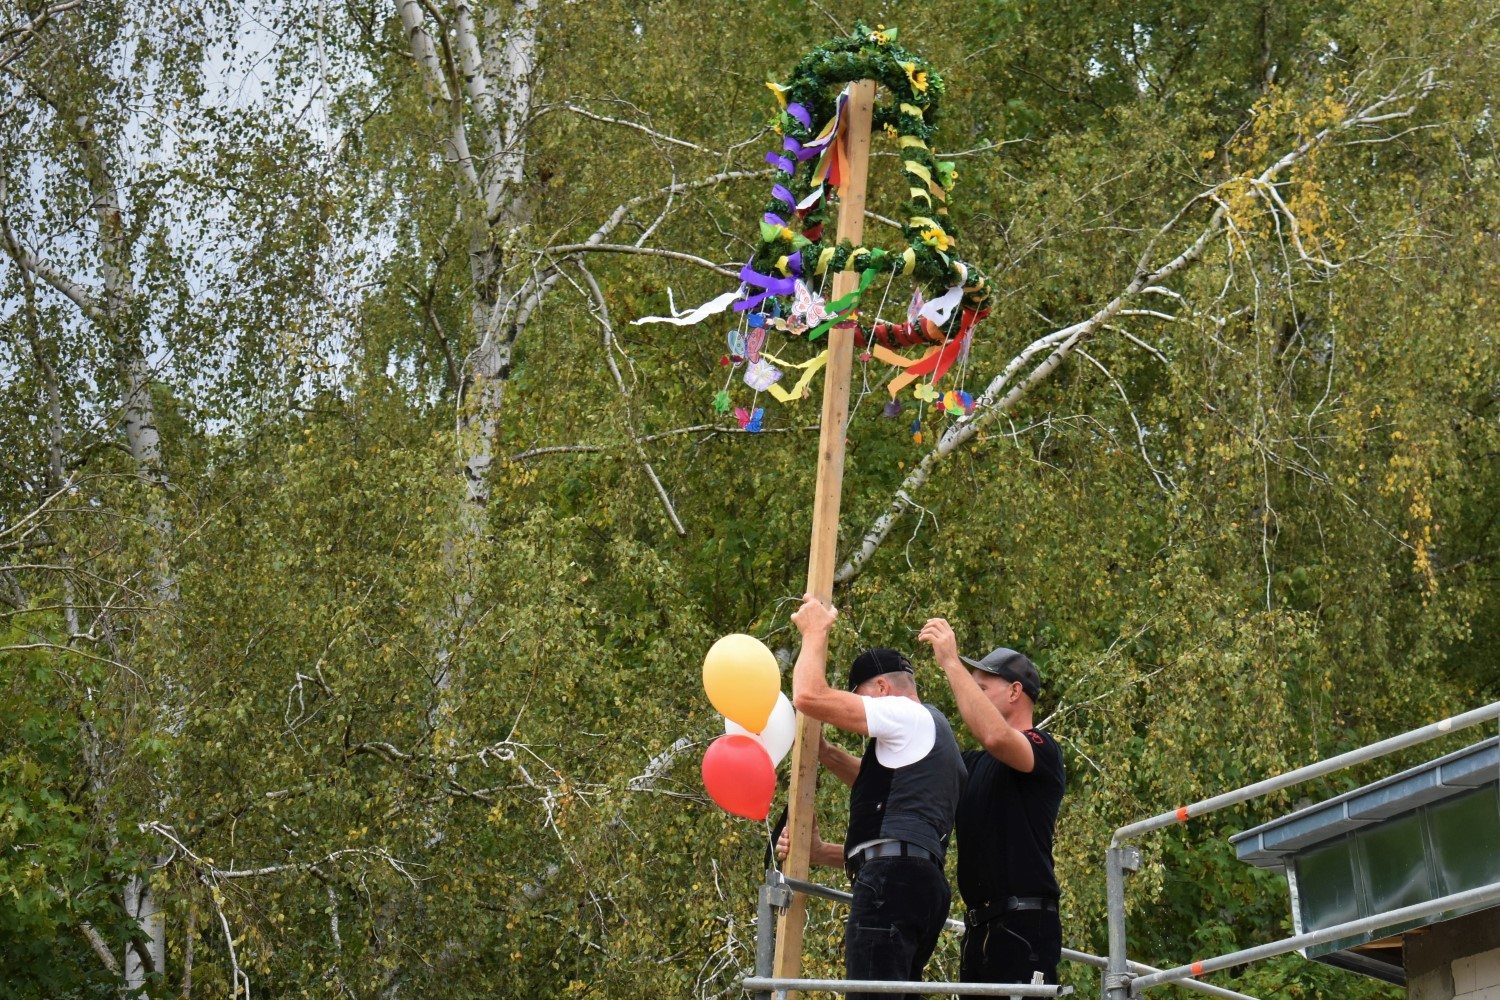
(825, 524)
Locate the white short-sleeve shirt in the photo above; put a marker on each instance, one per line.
(903, 729)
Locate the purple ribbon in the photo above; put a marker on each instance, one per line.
(795, 148)
(780, 192)
(798, 112)
(781, 163)
(774, 219)
(794, 262)
(774, 286)
(751, 302)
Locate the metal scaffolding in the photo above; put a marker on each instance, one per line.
(776, 888)
(1121, 982)
(1124, 979)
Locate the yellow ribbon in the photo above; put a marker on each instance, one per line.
(911, 141)
(810, 368)
(920, 169)
(823, 259)
(910, 257)
(911, 109)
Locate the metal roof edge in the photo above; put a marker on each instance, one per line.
(1346, 811)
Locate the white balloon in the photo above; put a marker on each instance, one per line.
(780, 731)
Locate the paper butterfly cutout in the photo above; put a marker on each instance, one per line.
(748, 421)
(753, 343)
(761, 375)
(915, 309)
(738, 347)
(808, 309)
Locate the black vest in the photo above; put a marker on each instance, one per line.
(916, 803)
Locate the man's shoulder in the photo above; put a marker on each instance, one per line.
(1045, 751)
(1039, 737)
(894, 711)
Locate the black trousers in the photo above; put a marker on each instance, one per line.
(1011, 947)
(899, 907)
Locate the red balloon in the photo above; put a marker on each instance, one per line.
(739, 776)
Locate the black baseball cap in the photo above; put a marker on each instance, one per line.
(1012, 666)
(877, 661)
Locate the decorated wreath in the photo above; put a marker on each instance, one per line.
(782, 282)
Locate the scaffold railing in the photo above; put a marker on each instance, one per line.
(778, 886)
(1122, 981)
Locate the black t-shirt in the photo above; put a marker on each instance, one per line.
(1005, 824)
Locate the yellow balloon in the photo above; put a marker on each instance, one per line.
(742, 680)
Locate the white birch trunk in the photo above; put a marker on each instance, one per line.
(484, 92)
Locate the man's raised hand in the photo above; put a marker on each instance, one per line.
(814, 616)
(939, 635)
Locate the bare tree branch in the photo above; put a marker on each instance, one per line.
(601, 313)
(19, 37)
(1060, 343)
(585, 113)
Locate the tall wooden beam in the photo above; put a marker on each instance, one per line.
(821, 559)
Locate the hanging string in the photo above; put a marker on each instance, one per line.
(864, 366)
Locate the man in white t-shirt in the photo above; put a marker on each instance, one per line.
(903, 798)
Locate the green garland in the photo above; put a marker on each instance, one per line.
(911, 117)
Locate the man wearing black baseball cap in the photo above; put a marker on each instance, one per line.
(1006, 817)
(903, 796)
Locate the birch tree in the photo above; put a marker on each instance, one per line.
(442, 730)
(109, 141)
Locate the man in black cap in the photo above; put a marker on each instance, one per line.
(1007, 816)
(903, 796)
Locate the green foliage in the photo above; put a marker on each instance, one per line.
(54, 872)
(403, 747)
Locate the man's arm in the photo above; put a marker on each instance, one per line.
(823, 853)
(844, 765)
(999, 738)
(810, 691)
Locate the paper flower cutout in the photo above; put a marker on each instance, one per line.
(925, 392)
(892, 409)
(721, 401)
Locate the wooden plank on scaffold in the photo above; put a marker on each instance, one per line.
(825, 524)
